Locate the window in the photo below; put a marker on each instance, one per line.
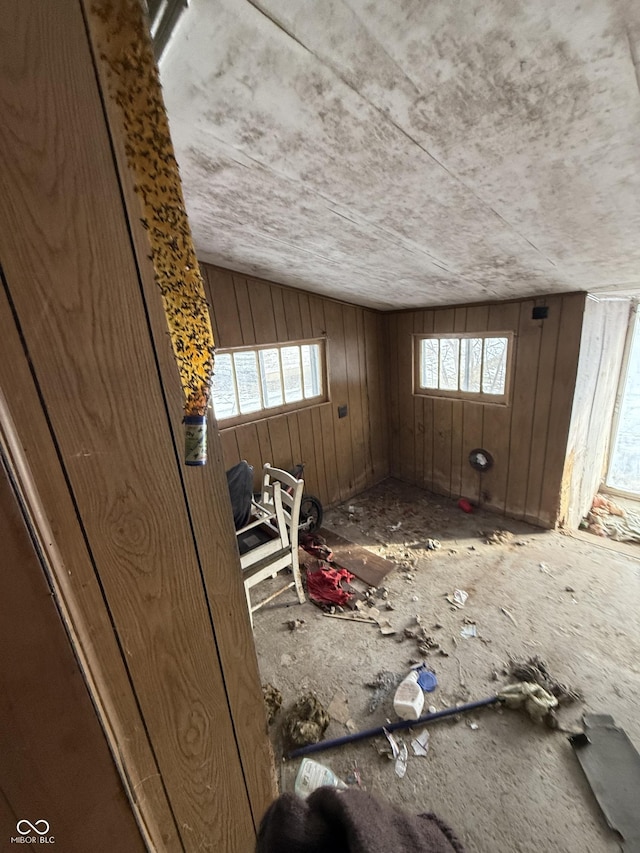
(270, 379)
(466, 366)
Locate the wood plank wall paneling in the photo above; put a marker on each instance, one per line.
(342, 456)
(67, 252)
(50, 736)
(431, 438)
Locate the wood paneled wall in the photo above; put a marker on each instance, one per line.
(430, 438)
(141, 550)
(342, 456)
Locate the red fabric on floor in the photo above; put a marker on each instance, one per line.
(325, 586)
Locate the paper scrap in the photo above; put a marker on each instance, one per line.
(420, 744)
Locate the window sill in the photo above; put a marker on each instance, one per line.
(258, 417)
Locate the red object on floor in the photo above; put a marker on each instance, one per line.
(464, 505)
(325, 586)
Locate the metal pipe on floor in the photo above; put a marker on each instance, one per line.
(392, 727)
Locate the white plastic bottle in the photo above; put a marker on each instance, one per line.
(409, 699)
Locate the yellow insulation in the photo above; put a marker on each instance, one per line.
(134, 84)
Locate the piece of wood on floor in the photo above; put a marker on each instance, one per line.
(364, 564)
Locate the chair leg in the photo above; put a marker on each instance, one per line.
(297, 577)
(247, 593)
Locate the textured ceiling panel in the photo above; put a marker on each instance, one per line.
(397, 154)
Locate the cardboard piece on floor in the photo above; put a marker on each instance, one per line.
(612, 766)
(364, 564)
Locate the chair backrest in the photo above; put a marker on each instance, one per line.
(290, 494)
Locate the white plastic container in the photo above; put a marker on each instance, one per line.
(312, 775)
(409, 699)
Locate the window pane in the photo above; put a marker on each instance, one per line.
(449, 352)
(292, 372)
(224, 396)
(271, 379)
(246, 366)
(495, 365)
(470, 364)
(311, 370)
(429, 363)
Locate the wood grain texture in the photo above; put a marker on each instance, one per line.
(343, 456)
(528, 437)
(56, 762)
(32, 450)
(68, 253)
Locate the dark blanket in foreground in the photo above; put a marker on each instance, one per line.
(353, 821)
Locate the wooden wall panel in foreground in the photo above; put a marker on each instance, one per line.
(155, 555)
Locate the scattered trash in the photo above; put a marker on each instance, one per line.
(382, 685)
(354, 777)
(294, 624)
(509, 615)
(544, 568)
(395, 527)
(458, 597)
(352, 508)
(535, 700)
(521, 542)
(465, 505)
(432, 709)
(420, 744)
(433, 545)
(272, 700)
(401, 761)
(473, 726)
(497, 537)
(415, 598)
(316, 545)
(313, 775)
(535, 670)
(306, 722)
(569, 589)
(339, 708)
(393, 743)
(469, 631)
(325, 586)
(408, 701)
(426, 643)
(426, 678)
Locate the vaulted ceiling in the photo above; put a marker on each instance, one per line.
(399, 153)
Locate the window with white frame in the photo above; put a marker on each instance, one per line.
(465, 365)
(251, 382)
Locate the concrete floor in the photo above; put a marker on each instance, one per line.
(508, 785)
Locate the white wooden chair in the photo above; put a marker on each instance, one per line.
(269, 543)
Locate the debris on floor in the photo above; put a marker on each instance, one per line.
(465, 505)
(605, 518)
(536, 671)
(325, 586)
(382, 685)
(426, 643)
(536, 701)
(420, 744)
(458, 597)
(316, 545)
(272, 700)
(312, 775)
(408, 700)
(306, 722)
(339, 710)
(433, 545)
(469, 630)
(294, 624)
(497, 537)
(509, 615)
